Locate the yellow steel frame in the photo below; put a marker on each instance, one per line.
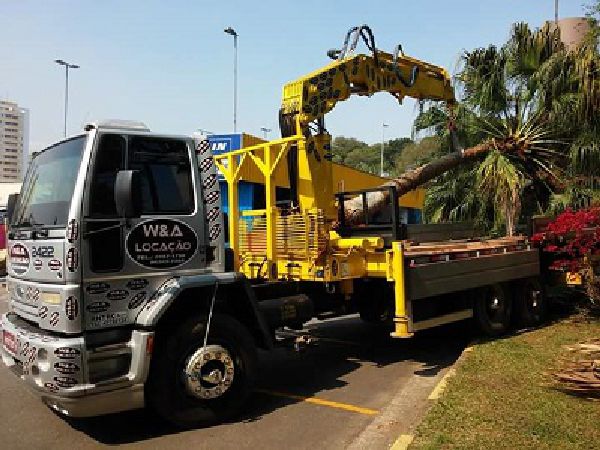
(310, 97)
(403, 311)
(353, 257)
(266, 157)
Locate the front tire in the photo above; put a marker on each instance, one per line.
(191, 385)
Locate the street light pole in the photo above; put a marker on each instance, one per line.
(383, 127)
(265, 130)
(67, 67)
(233, 33)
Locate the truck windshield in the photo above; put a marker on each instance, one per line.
(49, 184)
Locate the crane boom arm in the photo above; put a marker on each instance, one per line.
(312, 96)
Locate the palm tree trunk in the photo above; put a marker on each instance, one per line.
(376, 201)
(510, 226)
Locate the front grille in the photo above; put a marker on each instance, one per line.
(45, 305)
(24, 300)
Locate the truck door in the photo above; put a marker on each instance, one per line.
(127, 260)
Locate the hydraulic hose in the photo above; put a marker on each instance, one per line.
(287, 126)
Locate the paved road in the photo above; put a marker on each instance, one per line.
(357, 388)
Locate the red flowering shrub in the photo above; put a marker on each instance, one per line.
(570, 237)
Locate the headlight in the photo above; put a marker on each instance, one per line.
(52, 298)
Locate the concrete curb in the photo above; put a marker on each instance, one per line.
(439, 389)
(411, 403)
(402, 442)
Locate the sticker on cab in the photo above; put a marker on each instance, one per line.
(19, 259)
(162, 243)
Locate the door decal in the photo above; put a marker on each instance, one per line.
(161, 243)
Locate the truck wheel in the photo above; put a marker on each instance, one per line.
(191, 385)
(376, 304)
(530, 302)
(377, 313)
(492, 308)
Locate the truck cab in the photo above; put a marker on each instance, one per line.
(108, 227)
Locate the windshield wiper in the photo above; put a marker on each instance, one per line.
(37, 228)
(25, 223)
(39, 232)
(17, 229)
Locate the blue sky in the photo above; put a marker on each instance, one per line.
(169, 64)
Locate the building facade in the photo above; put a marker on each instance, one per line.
(573, 30)
(14, 141)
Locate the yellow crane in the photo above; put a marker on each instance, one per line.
(306, 144)
(306, 100)
(300, 243)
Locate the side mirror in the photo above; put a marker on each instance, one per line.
(128, 194)
(11, 205)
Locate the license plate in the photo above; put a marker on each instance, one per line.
(9, 342)
(573, 278)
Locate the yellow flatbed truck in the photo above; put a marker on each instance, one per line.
(122, 293)
(417, 269)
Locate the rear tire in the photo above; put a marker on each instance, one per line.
(492, 309)
(530, 302)
(190, 385)
(377, 313)
(376, 303)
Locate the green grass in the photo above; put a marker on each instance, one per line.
(500, 399)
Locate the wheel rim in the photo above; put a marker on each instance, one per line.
(209, 372)
(534, 300)
(495, 306)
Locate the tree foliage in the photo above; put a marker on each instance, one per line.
(537, 103)
(417, 153)
(362, 156)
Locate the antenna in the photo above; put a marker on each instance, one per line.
(556, 11)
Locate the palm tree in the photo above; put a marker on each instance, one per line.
(517, 150)
(452, 199)
(501, 182)
(501, 112)
(570, 92)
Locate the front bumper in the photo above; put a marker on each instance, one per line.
(58, 369)
(123, 399)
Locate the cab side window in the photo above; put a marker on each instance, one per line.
(105, 235)
(110, 158)
(166, 174)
